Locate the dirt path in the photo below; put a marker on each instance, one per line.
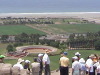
(58, 73)
(38, 29)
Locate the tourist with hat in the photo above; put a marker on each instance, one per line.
(83, 68)
(78, 55)
(89, 65)
(46, 63)
(64, 64)
(39, 59)
(2, 58)
(35, 67)
(27, 65)
(76, 66)
(98, 67)
(19, 64)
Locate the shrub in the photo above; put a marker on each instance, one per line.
(97, 45)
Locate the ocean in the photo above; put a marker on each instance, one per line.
(48, 6)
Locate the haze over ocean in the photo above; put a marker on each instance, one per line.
(47, 6)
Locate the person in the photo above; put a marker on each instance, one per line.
(89, 65)
(61, 55)
(39, 59)
(2, 58)
(98, 68)
(83, 68)
(27, 65)
(76, 66)
(46, 63)
(78, 55)
(19, 64)
(64, 63)
(35, 67)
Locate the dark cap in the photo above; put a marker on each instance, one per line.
(65, 53)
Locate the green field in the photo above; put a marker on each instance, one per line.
(52, 28)
(70, 28)
(18, 29)
(77, 28)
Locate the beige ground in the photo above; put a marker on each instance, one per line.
(91, 16)
(58, 73)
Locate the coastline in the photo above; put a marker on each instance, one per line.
(91, 16)
(49, 13)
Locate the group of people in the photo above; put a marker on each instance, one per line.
(80, 66)
(41, 63)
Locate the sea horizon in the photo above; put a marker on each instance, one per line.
(52, 13)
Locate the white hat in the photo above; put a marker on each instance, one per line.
(82, 60)
(77, 53)
(27, 61)
(75, 57)
(39, 55)
(20, 60)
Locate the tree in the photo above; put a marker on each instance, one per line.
(4, 38)
(10, 48)
(97, 45)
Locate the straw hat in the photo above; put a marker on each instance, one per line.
(20, 60)
(92, 56)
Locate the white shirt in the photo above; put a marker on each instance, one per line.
(89, 63)
(76, 66)
(96, 64)
(19, 65)
(98, 68)
(46, 59)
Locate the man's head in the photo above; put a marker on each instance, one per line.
(2, 58)
(20, 60)
(47, 51)
(40, 55)
(91, 56)
(27, 61)
(65, 53)
(35, 59)
(77, 54)
(82, 60)
(75, 58)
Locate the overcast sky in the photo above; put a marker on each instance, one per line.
(52, 5)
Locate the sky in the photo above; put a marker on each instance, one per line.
(25, 6)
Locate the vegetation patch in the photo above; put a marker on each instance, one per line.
(76, 28)
(18, 29)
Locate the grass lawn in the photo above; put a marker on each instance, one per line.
(18, 29)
